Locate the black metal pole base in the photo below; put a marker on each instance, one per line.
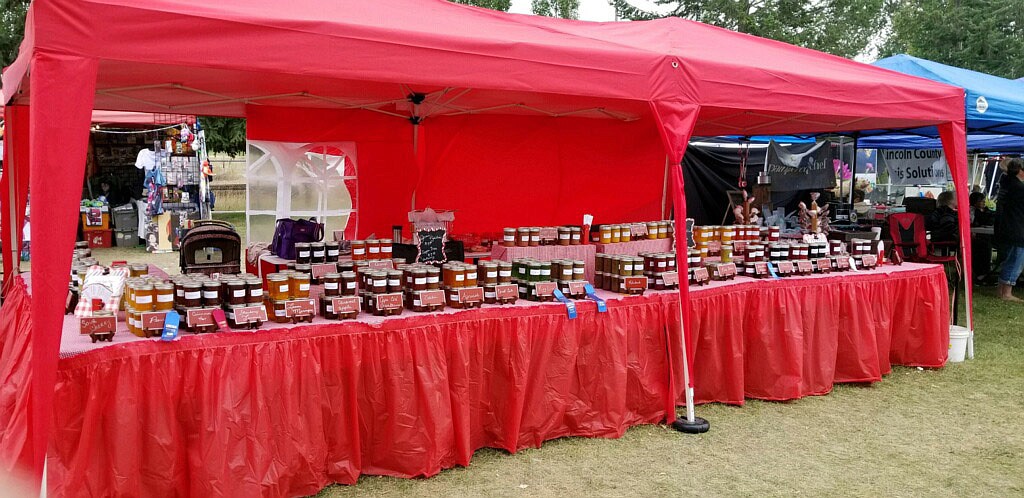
(698, 426)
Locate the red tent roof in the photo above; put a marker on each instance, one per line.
(174, 56)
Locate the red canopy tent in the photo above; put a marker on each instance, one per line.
(506, 118)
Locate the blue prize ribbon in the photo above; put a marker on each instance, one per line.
(170, 331)
(602, 307)
(771, 269)
(569, 305)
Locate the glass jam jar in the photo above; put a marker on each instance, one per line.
(277, 288)
(386, 248)
(319, 250)
(333, 250)
(564, 236)
(236, 292)
(504, 272)
(616, 234)
(348, 283)
(433, 278)
(211, 294)
(576, 234)
(299, 285)
(488, 272)
(144, 297)
(508, 237)
(394, 281)
(523, 237)
(470, 272)
(372, 249)
(419, 279)
(534, 236)
(254, 290)
(358, 250)
(303, 252)
(332, 284)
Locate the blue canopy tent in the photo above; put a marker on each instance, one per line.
(975, 143)
(994, 105)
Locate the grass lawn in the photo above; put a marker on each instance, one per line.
(955, 431)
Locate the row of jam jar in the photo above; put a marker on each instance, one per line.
(538, 236)
(730, 233)
(319, 252)
(530, 270)
(611, 270)
(613, 234)
(372, 249)
(656, 265)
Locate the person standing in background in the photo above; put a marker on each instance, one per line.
(1009, 227)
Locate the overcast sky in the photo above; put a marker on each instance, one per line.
(590, 10)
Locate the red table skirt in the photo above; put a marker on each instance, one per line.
(780, 340)
(286, 412)
(282, 413)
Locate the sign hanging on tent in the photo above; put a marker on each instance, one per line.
(809, 169)
(915, 166)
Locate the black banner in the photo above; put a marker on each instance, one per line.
(811, 169)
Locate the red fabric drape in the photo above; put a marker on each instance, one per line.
(790, 338)
(954, 144)
(286, 412)
(16, 160)
(15, 365)
(63, 89)
(675, 125)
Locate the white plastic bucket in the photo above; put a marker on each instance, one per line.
(958, 337)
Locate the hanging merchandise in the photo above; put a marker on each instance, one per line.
(744, 153)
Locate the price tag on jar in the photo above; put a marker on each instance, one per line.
(153, 321)
(380, 264)
(199, 318)
(638, 283)
(785, 267)
(869, 260)
(570, 307)
(824, 265)
(98, 324)
(506, 291)
(298, 308)
(843, 263)
(701, 276)
(431, 297)
(250, 314)
(638, 229)
(761, 268)
(548, 233)
(350, 304)
(670, 278)
(577, 287)
(727, 270)
(544, 289)
(471, 295)
(390, 301)
(804, 266)
(318, 270)
(602, 307)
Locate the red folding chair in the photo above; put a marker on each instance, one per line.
(910, 241)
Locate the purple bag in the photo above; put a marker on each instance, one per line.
(289, 232)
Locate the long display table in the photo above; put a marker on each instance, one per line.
(288, 410)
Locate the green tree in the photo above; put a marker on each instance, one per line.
(226, 135)
(842, 27)
(12, 27)
(502, 5)
(986, 36)
(566, 9)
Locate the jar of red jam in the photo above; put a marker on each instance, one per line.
(564, 236)
(576, 235)
(394, 281)
(319, 250)
(509, 237)
(386, 248)
(523, 237)
(347, 286)
(534, 236)
(358, 250)
(433, 278)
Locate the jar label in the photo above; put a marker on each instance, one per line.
(303, 254)
(256, 292)
(490, 295)
(563, 236)
(331, 285)
(359, 251)
(471, 276)
(535, 238)
(238, 293)
(459, 278)
(534, 273)
(282, 288)
(394, 283)
(332, 253)
(278, 312)
(192, 295)
(420, 281)
(374, 250)
(510, 238)
(180, 292)
(492, 274)
(143, 299)
(210, 294)
(567, 272)
(577, 271)
(330, 307)
(385, 249)
(164, 298)
(350, 285)
(505, 273)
